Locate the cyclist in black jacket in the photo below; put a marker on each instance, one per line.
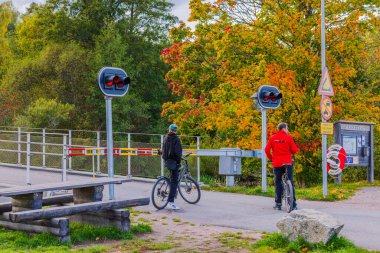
(172, 154)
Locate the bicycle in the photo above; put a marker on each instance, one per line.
(287, 193)
(187, 187)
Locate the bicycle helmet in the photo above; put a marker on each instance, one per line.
(173, 128)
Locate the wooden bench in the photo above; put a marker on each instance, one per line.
(25, 211)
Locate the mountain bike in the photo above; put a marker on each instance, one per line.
(188, 187)
(287, 193)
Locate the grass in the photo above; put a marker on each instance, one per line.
(17, 241)
(276, 243)
(335, 192)
(140, 245)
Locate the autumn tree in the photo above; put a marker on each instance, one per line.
(59, 47)
(239, 45)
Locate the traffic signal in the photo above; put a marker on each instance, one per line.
(269, 97)
(113, 82)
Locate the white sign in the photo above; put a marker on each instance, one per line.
(355, 127)
(349, 144)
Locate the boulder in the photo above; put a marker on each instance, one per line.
(312, 225)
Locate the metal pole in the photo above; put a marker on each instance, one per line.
(28, 158)
(43, 148)
(371, 158)
(324, 139)
(129, 157)
(110, 145)
(263, 156)
(198, 159)
(70, 142)
(64, 152)
(19, 146)
(93, 163)
(98, 156)
(162, 160)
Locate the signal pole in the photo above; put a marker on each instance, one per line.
(263, 144)
(110, 145)
(267, 97)
(323, 55)
(113, 82)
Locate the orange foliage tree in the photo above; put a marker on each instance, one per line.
(239, 45)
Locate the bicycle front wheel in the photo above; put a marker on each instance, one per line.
(288, 196)
(189, 190)
(160, 193)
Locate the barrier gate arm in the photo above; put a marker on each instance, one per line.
(154, 152)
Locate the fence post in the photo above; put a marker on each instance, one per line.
(198, 159)
(64, 152)
(28, 158)
(70, 136)
(129, 157)
(162, 160)
(43, 147)
(19, 146)
(97, 156)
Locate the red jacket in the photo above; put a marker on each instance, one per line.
(282, 146)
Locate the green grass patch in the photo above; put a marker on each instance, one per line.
(17, 241)
(141, 229)
(176, 220)
(335, 192)
(139, 245)
(276, 243)
(143, 220)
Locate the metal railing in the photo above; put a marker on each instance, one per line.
(47, 148)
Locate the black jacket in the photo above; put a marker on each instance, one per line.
(172, 148)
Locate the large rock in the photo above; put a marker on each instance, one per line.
(312, 225)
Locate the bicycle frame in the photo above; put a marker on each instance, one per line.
(183, 170)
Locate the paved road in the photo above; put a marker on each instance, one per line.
(360, 215)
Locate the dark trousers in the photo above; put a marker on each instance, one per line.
(278, 172)
(174, 174)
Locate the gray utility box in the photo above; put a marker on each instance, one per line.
(357, 139)
(230, 163)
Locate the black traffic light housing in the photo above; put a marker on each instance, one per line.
(269, 97)
(113, 82)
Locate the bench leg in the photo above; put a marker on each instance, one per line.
(118, 218)
(56, 226)
(27, 202)
(88, 194)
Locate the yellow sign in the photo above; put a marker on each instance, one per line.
(326, 108)
(327, 128)
(325, 86)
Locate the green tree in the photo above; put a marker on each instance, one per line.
(61, 45)
(46, 113)
(7, 18)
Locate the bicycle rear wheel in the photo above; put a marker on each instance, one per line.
(288, 196)
(160, 193)
(189, 189)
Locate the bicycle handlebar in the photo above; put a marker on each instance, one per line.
(188, 154)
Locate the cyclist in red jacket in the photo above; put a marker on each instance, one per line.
(279, 150)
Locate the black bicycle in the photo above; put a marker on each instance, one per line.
(287, 193)
(188, 187)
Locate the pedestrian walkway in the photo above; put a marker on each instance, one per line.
(360, 215)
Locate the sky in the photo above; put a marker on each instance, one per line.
(180, 8)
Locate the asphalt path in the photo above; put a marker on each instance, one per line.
(360, 215)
